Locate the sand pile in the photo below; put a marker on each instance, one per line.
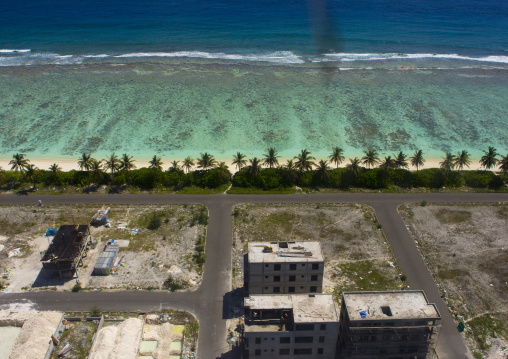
(33, 341)
(118, 342)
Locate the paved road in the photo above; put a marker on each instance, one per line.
(207, 301)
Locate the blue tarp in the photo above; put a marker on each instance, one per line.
(51, 232)
(363, 314)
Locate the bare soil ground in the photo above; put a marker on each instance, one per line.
(466, 249)
(149, 257)
(357, 256)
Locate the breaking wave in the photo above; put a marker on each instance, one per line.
(26, 57)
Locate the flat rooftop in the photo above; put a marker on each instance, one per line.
(282, 252)
(389, 305)
(307, 308)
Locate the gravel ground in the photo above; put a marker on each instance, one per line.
(466, 249)
(149, 258)
(357, 256)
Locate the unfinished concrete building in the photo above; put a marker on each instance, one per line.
(284, 268)
(395, 325)
(67, 250)
(290, 326)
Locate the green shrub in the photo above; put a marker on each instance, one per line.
(175, 284)
(200, 217)
(199, 256)
(76, 288)
(154, 221)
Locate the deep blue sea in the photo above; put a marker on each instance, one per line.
(290, 31)
(178, 78)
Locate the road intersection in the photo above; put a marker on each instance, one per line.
(206, 302)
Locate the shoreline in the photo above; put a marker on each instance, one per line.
(68, 164)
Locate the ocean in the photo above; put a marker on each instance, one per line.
(178, 78)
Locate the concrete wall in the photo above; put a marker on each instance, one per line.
(269, 344)
(265, 278)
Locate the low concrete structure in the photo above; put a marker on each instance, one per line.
(284, 268)
(396, 324)
(291, 326)
(67, 250)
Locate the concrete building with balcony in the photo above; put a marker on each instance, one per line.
(300, 326)
(395, 325)
(284, 268)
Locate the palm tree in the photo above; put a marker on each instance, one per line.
(239, 160)
(19, 162)
(354, 166)
(417, 160)
(337, 156)
(222, 166)
(503, 164)
(112, 163)
(322, 171)
(271, 158)
(55, 170)
(290, 171)
(448, 162)
(304, 161)
(462, 159)
(388, 163)
(489, 160)
(188, 163)
(85, 162)
(254, 167)
(96, 168)
(206, 161)
(30, 171)
(156, 163)
(174, 166)
(371, 158)
(401, 160)
(126, 163)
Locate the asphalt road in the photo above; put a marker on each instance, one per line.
(207, 301)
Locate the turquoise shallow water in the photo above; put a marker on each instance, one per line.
(181, 109)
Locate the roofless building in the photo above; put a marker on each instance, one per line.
(67, 250)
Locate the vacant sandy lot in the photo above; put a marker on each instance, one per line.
(357, 256)
(466, 249)
(149, 257)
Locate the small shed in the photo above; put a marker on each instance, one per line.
(106, 259)
(100, 218)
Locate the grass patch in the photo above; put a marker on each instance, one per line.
(200, 190)
(449, 216)
(449, 274)
(80, 336)
(251, 190)
(485, 327)
(190, 333)
(365, 275)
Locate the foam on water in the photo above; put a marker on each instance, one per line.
(29, 58)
